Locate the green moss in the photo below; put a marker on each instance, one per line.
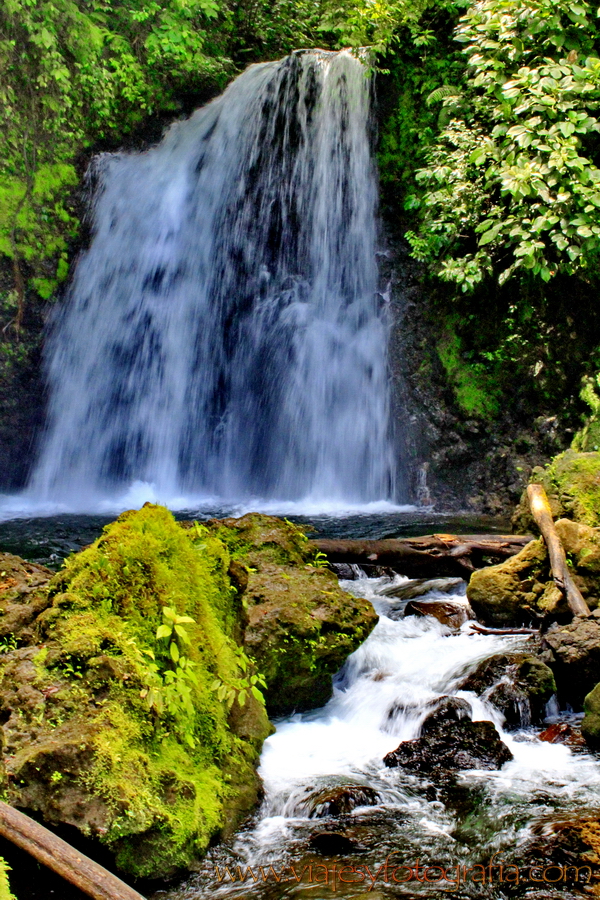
(5, 892)
(474, 389)
(590, 727)
(301, 625)
(133, 719)
(573, 479)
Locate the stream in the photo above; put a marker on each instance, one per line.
(381, 696)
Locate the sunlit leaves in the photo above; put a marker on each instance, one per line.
(521, 156)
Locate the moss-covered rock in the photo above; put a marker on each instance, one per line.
(590, 727)
(518, 684)
(301, 625)
(128, 705)
(572, 483)
(521, 589)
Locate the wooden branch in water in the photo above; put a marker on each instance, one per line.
(430, 556)
(56, 854)
(541, 512)
(483, 629)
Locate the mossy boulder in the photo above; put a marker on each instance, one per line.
(518, 684)
(572, 483)
(521, 589)
(128, 706)
(590, 727)
(301, 625)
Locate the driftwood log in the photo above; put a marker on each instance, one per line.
(431, 556)
(541, 512)
(56, 854)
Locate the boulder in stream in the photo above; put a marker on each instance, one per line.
(576, 651)
(301, 626)
(590, 727)
(450, 741)
(448, 612)
(126, 701)
(521, 590)
(518, 684)
(340, 800)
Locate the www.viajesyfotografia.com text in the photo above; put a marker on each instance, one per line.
(391, 872)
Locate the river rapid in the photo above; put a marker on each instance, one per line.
(435, 841)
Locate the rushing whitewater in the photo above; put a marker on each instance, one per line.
(224, 335)
(381, 697)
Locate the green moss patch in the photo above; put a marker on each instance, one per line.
(474, 389)
(129, 705)
(572, 482)
(301, 625)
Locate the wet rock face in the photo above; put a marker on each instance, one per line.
(576, 649)
(590, 727)
(417, 587)
(562, 733)
(451, 742)
(519, 686)
(521, 590)
(301, 625)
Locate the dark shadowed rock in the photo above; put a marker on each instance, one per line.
(451, 748)
(449, 711)
(450, 741)
(330, 843)
(576, 649)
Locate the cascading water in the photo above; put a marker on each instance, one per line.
(381, 697)
(224, 336)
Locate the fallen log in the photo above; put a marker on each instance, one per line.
(541, 512)
(483, 629)
(56, 854)
(430, 556)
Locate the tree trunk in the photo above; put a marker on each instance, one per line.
(541, 512)
(52, 851)
(426, 557)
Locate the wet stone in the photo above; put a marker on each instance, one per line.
(449, 746)
(445, 611)
(418, 587)
(340, 800)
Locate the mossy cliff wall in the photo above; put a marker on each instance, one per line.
(130, 707)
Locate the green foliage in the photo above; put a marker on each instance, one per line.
(512, 182)
(588, 437)
(5, 892)
(423, 62)
(76, 72)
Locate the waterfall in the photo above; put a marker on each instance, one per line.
(224, 335)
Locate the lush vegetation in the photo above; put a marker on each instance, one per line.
(511, 183)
